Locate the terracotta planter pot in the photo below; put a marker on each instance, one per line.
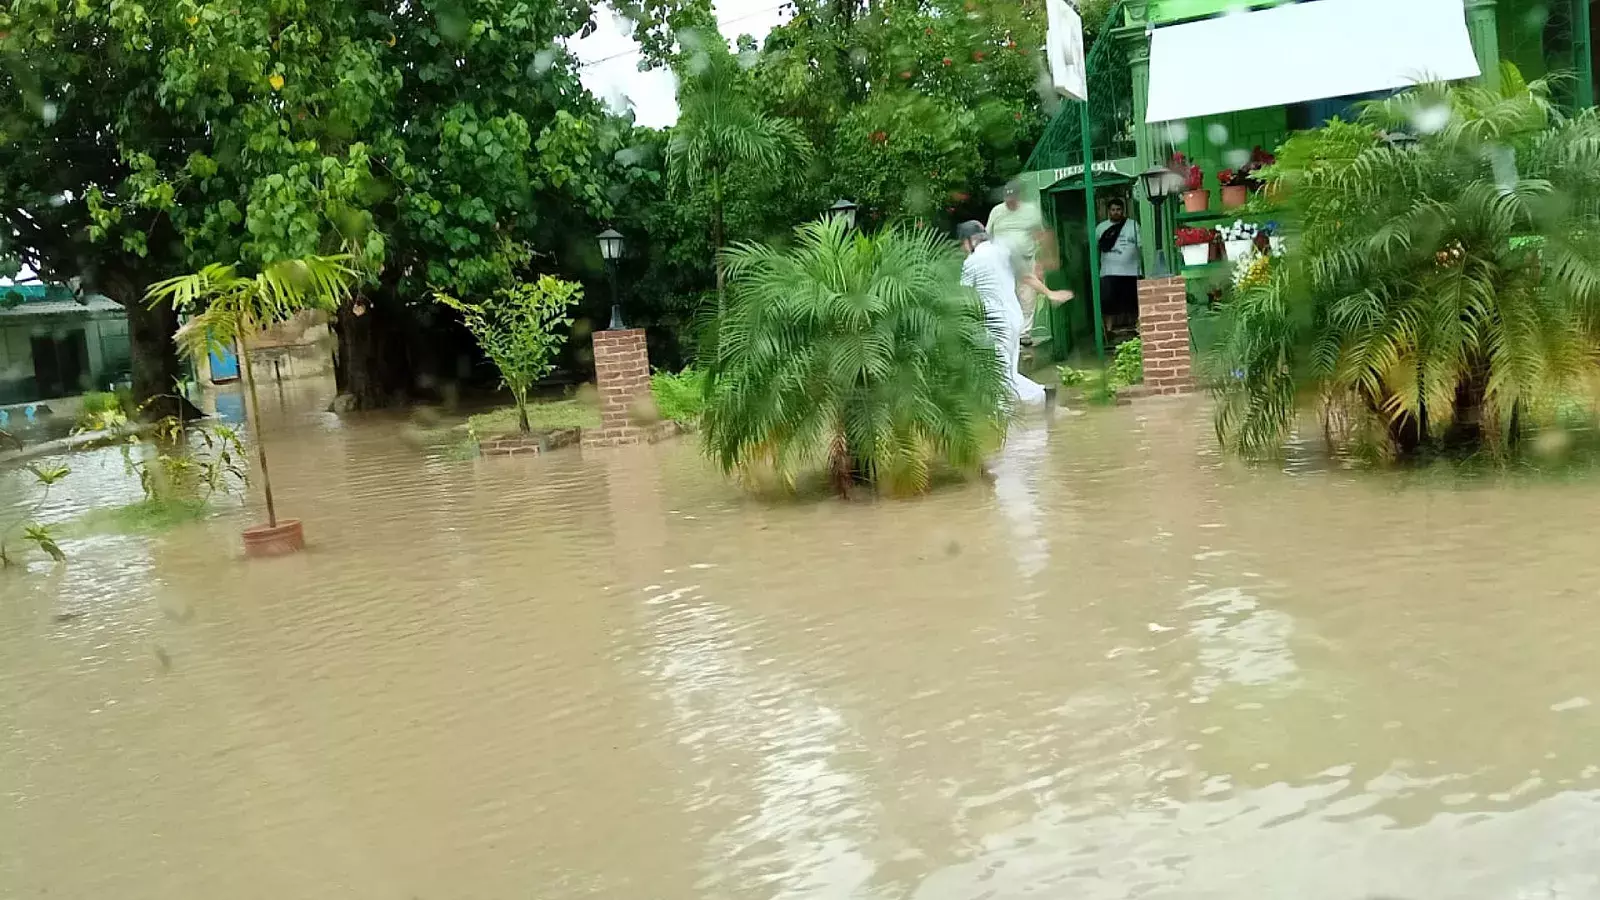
(1235, 195)
(265, 540)
(1196, 201)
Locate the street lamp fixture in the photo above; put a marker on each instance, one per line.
(611, 251)
(1160, 183)
(843, 209)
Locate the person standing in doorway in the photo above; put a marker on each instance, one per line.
(1117, 241)
(1018, 226)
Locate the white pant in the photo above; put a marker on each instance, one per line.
(1007, 330)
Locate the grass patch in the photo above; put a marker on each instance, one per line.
(143, 517)
(542, 416)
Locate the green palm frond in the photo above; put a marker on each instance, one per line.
(223, 305)
(860, 356)
(1444, 288)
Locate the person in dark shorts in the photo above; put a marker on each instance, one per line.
(1118, 245)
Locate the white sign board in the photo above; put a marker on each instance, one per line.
(1064, 48)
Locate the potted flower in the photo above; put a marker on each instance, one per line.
(1259, 159)
(1195, 245)
(1238, 238)
(1274, 238)
(1235, 187)
(1195, 196)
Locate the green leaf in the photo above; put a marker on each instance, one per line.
(40, 536)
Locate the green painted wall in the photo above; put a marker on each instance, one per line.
(1209, 142)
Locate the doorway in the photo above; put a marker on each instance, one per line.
(1073, 325)
(60, 364)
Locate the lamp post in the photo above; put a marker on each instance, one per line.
(843, 209)
(1159, 183)
(611, 251)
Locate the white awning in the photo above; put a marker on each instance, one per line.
(1305, 51)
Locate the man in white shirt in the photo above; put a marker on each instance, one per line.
(1019, 227)
(1120, 266)
(989, 270)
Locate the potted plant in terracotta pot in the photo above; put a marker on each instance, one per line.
(1195, 245)
(1195, 196)
(1235, 187)
(224, 307)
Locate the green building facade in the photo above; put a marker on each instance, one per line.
(1542, 37)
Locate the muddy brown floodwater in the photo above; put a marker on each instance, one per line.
(1128, 668)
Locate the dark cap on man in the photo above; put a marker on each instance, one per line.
(972, 230)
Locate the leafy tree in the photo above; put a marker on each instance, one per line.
(1445, 291)
(517, 330)
(225, 306)
(915, 107)
(857, 355)
(440, 142)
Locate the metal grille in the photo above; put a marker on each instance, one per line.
(1110, 83)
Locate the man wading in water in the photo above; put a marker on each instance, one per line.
(990, 270)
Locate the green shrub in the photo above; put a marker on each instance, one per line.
(1071, 377)
(679, 396)
(857, 355)
(1440, 291)
(1127, 367)
(104, 410)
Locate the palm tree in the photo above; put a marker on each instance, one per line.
(858, 355)
(1441, 290)
(224, 307)
(720, 126)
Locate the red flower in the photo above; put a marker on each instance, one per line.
(978, 55)
(880, 137)
(927, 32)
(1017, 116)
(947, 60)
(959, 196)
(905, 76)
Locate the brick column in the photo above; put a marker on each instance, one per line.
(1164, 328)
(622, 373)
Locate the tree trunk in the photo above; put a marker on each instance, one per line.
(371, 365)
(155, 362)
(716, 233)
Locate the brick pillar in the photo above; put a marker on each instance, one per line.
(622, 373)
(1164, 328)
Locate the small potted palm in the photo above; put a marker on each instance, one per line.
(223, 308)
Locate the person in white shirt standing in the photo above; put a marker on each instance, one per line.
(1019, 227)
(1120, 267)
(989, 269)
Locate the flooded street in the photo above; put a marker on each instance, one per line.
(1127, 668)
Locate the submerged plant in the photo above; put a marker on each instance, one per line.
(25, 525)
(857, 355)
(1441, 289)
(520, 328)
